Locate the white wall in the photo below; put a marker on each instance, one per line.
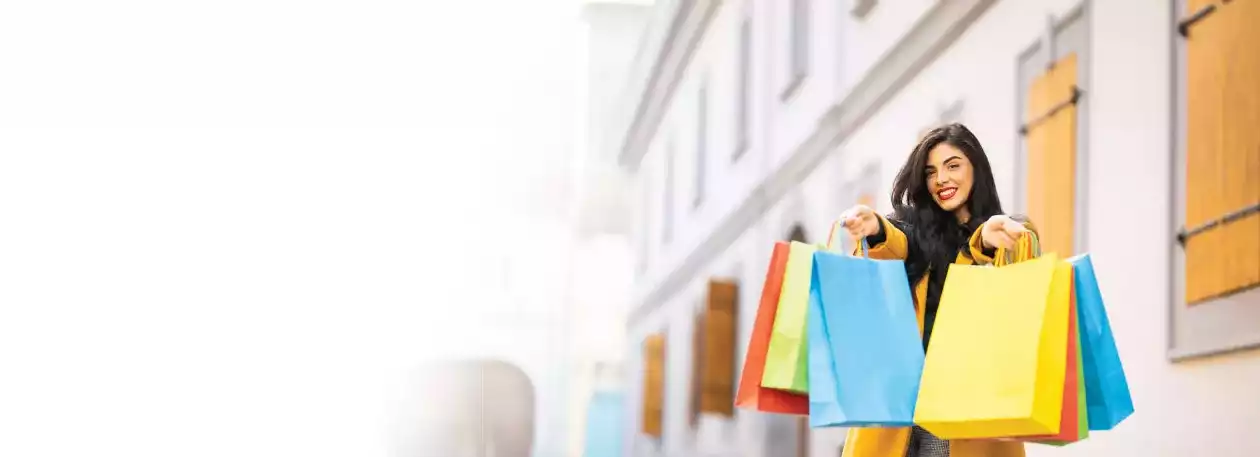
(792, 119)
(1202, 407)
(613, 37)
(867, 39)
(1188, 408)
(778, 125)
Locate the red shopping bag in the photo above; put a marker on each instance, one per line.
(750, 394)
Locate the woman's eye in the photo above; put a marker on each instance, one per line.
(953, 166)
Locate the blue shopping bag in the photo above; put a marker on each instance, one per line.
(823, 402)
(1107, 399)
(865, 352)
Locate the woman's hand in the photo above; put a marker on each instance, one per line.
(1001, 231)
(860, 221)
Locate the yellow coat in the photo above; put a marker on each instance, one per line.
(893, 442)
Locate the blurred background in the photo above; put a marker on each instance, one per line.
(540, 228)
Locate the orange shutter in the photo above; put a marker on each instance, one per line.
(718, 365)
(1051, 137)
(1223, 150)
(653, 384)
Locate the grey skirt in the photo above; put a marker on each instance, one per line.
(925, 444)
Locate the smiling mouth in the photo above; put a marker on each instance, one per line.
(946, 193)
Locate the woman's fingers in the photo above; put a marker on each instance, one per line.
(1014, 229)
(846, 218)
(1001, 240)
(857, 220)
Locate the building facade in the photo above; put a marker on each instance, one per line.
(1122, 124)
(600, 275)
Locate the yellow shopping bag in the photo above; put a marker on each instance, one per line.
(996, 366)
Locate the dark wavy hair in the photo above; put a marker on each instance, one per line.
(936, 233)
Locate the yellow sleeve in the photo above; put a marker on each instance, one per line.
(894, 246)
(977, 248)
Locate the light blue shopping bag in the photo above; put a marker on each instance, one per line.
(865, 352)
(823, 402)
(1107, 397)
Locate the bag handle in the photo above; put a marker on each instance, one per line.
(866, 249)
(834, 238)
(1027, 247)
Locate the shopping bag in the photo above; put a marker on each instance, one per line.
(865, 352)
(787, 354)
(1106, 389)
(1074, 421)
(1081, 430)
(997, 363)
(751, 394)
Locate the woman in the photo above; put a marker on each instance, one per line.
(945, 210)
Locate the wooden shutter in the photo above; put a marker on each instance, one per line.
(1222, 151)
(653, 384)
(1051, 146)
(718, 345)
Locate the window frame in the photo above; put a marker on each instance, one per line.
(798, 54)
(743, 86)
(1070, 35)
(1216, 326)
(702, 146)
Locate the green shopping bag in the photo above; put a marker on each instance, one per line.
(787, 357)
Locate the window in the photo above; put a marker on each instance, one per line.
(1053, 105)
(702, 143)
(1050, 145)
(667, 206)
(1222, 144)
(798, 55)
(717, 347)
(653, 384)
(797, 234)
(742, 87)
(1216, 305)
(713, 358)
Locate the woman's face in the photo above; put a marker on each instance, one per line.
(949, 177)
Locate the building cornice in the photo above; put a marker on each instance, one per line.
(927, 40)
(647, 96)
